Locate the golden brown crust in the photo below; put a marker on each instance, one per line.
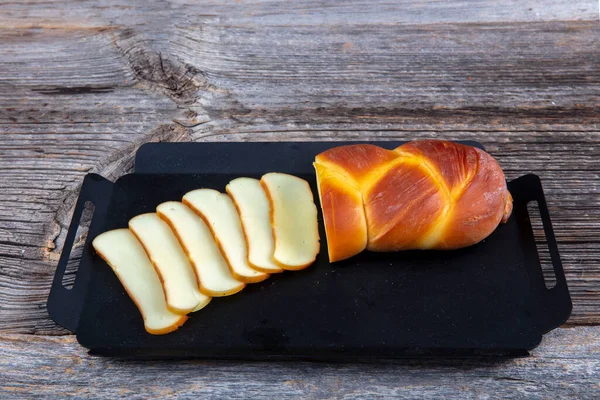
(479, 208)
(423, 194)
(456, 164)
(358, 161)
(508, 207)
(343, 215)
(401, 206)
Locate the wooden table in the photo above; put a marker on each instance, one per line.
(83, 85)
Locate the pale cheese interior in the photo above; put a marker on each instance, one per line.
(127, 258)
(197, 240)
(220, 213)
(294, 220)
(165, 252)
(254, 209)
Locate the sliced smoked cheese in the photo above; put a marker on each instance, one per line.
(219, 213)
(171, 263)
(212, 271)
(253, 207)
(294, 220)
(127, 258)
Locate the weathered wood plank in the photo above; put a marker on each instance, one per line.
(82, 85)
(566, 365)
(302, 12)
(418, 63)
(491, 74)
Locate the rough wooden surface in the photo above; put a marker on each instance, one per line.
(567, 365)
(83, 84)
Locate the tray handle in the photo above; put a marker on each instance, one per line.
(557, 301)
(64, 305)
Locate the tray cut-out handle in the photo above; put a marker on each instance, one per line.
(64, 305)
(557, 306)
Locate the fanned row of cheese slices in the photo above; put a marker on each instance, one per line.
(172, 262)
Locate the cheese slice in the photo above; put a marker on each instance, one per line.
(294, 220)
(171, 263)
(219, 213)
(127, 258)
(212, 271)
(253, 207)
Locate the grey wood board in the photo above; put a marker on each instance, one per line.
(83, 84)
(566, 365)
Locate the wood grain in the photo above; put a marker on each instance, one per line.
(83, 85)
(565, 366)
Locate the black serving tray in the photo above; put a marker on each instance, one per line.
(488, 298)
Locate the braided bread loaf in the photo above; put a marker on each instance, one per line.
(428, 194)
